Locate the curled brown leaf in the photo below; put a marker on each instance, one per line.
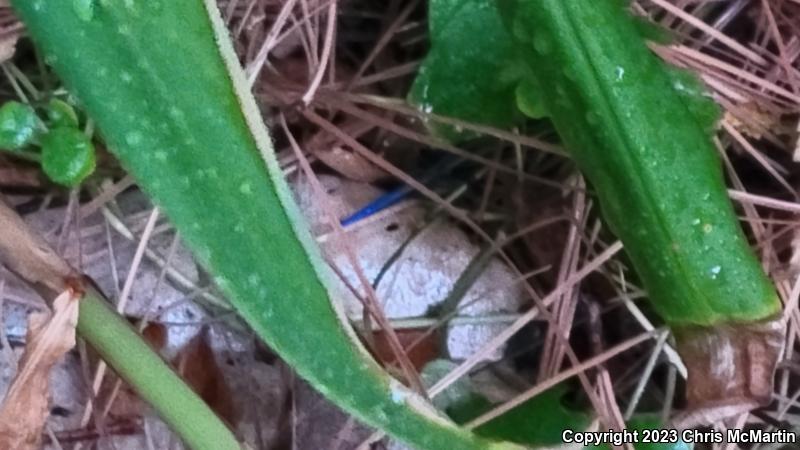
(26, 405)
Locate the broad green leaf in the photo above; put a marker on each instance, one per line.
(539, 421)
(162, 83)
(18, 125)
(470, 72)
(68, 156)
(640, 134)
(61, 114)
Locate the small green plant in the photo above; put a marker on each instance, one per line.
(18, 125)
(67, 155)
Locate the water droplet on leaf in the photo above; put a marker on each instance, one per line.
(133, 138)
(84, 9)
(246, 189)
(619, 72)
(542, 44)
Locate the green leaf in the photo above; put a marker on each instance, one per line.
(163, 84)
(528, 99)
(538, 422)
(694, 94)
(640, 133)
(61, 114)
(18, 125)
(541, 421)
(83, 8)
(470, 71)
(68, 156)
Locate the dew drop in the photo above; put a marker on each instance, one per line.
(253, 279)
(707, 228)
(84, 9)
(715, 271)
(175, 112)
(620, 72)
(133, 138)
(542, 44)
(246, 188)
(154, 5)
(398, 392)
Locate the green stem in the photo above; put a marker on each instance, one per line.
(118, 343)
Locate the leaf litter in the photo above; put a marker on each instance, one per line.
(746, 52)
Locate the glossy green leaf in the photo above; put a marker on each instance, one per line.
(640, 133)
(18, 125)
(162, 83)
(68, 156)
(538, 421)
(469, 72)
(61, 114)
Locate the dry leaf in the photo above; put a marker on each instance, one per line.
(428, 349)
(343, 159)
(26, 405)
(29, 256)
(197, 365)
(731, 368)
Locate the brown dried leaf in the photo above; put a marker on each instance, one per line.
(197, 365)
(426, 350)
(341, 158)
(25, 407)
(731, 368)
(29, 256)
